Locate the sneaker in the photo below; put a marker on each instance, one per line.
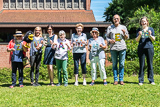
(140, 83)
(105, 83)
(58, 84)
(11, 86)
(76, 83)
(152, 83)
(36, 84)
(84, 83)
(21, 86)
(66, 85)
(91, 84)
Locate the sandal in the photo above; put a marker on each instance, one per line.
(51, 84)
(92, 83)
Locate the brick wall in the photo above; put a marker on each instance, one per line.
(4, 56)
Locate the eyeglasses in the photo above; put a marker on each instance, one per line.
(49, 29)
(115, 18)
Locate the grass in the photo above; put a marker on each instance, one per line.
(131, 94)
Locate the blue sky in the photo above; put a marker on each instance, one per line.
(98, 7)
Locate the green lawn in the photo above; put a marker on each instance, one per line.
(131, 94)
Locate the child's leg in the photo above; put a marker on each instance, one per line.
(59, 66)
(101, 64)
(20, 69)
(14, 70)
(38, 63)
(65, 74)
(32, 62)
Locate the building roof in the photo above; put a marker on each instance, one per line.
(46, 16)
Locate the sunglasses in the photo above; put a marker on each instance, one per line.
(49, 29)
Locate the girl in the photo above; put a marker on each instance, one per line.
(62, 46)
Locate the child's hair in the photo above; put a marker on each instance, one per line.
(79, 24)
(62, 32)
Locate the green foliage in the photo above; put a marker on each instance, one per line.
(131, 52)
(126, 8)
(5, 75)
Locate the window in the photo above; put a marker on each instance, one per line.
(41, 4)
(55, 3)
(13, 4)
(34, 3)
(76, 3)
(5, 4)
(83, 4)
(62, 3)
(19, 3)
(48, 3)
(69, 3)
(27, 4)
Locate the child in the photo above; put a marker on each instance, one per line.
(96, 47)
(61, 55)
(17, 50)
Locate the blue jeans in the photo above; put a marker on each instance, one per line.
(114, 55)
(82, 58)
(148, 53)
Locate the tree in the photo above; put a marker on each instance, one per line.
(126, 8)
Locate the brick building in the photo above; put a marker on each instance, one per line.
(25, 15)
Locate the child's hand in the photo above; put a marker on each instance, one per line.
(66, 44)
(12, 49)
(101, 45)
(149, 32)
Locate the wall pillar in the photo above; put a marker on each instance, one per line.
(88, 3)
(1, 5)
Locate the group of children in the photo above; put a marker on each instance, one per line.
(56, 51)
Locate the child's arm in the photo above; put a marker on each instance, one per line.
(10, 46)
(68, 45)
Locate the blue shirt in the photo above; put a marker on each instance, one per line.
(145, 41)
(17, 55)
(96, 50)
